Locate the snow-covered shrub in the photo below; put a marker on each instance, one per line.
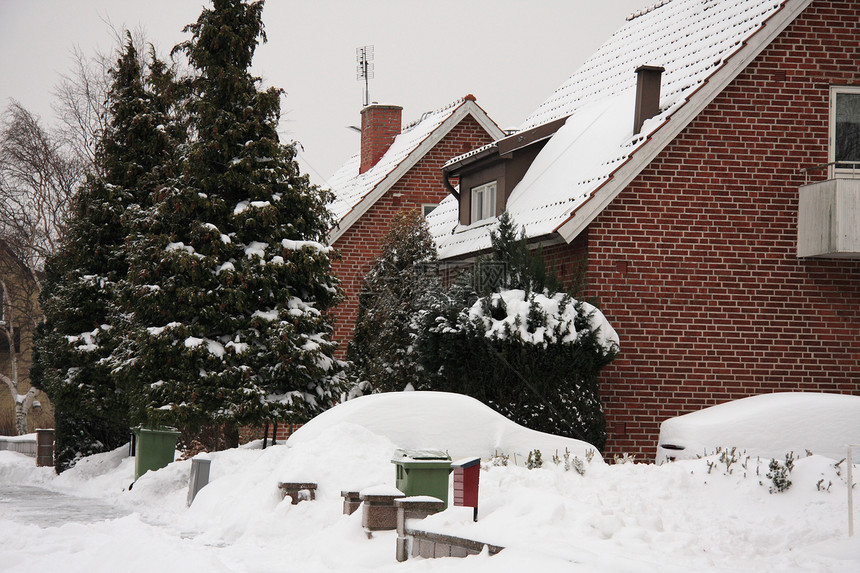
(535, 460)
(779, 473)
(529, 353)
(499, 459)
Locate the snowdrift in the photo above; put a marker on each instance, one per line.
(458, 424)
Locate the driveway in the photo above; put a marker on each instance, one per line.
(45, 508)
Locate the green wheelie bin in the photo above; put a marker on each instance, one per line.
(422, 472)
(154, 448)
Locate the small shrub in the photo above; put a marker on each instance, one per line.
(779, 473)
(729, 457)
(535, 460)
(572, 462)
(499, 459)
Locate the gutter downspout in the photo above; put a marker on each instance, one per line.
(448, 185)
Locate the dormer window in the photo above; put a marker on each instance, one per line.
(483, 201)
(845, 129)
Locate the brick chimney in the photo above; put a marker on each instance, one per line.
(647, 95)
(380, 124)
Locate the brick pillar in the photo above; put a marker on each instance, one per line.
(45, 448)
(380, 124)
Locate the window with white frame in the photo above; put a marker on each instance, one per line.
(845, 128)
(484, 201)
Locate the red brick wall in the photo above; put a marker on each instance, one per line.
(281, 433)
(695, 265)
(360, 245)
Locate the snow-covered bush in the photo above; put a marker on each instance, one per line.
(528, 352)
(779, 473)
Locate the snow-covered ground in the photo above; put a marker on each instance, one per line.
(712, 514)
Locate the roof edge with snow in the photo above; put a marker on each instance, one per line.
(595, 155)
(676, 122)
(466, 107)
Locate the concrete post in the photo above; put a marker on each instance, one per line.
(199, 477)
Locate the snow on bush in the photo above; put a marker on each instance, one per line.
(541, 319)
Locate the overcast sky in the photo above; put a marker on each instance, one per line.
(511, 54)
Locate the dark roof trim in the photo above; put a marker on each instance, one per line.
(470, 158)
(529, 136)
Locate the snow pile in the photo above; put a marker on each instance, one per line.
(455, 423)
(713, 514)
(769, 425)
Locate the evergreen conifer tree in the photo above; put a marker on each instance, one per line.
(91, 407)
(512, 265)
(229, 283)
(381, 349)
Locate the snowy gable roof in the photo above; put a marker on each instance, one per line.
(356, 192)
(702, 45)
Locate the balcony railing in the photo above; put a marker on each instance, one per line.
(846, 169)
(828, 217)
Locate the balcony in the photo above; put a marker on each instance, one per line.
(828, 220)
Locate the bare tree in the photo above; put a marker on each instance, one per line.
(80, 104)
(18, 317)
(81, 96)
(38, 178)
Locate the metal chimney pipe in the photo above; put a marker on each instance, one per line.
(647, 95)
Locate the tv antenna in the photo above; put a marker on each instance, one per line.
(364, 70)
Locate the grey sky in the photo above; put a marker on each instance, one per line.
(511, 54)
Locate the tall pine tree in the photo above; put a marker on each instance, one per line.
(229, 283)
(91, 407)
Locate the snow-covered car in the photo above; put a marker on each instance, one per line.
(768, 425)
(458, 424)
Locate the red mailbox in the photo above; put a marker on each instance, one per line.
(466, 475)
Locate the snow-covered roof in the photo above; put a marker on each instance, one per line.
(356, 192)
(468, 154)
(702, 45)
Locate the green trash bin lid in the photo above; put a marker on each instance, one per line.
(407, 455)
(167, 430)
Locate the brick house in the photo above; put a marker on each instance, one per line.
(19, 315)
(701, 162)
(395, 170)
